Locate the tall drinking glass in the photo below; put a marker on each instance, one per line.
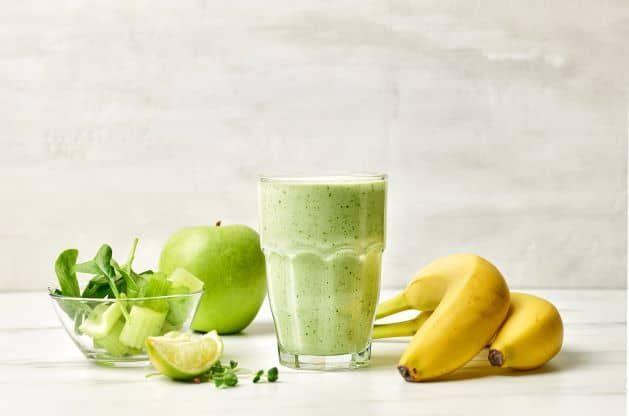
(323, 239)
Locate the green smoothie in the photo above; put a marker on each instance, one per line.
(323, 240)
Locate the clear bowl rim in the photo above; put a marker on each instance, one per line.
(174, 296)
(341, 178)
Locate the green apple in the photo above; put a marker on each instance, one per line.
(229, 261)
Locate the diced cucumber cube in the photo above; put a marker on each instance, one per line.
(143, 322)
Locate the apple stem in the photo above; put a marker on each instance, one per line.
(218, 223)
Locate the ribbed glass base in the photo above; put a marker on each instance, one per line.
(326, 362)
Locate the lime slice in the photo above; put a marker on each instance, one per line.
(183, 355)
(182, 277)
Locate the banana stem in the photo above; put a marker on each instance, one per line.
(394, 305)
(400, 329)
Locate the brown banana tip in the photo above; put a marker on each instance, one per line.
(495, 358)
(405, 372)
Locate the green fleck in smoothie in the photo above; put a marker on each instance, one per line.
(323, 240)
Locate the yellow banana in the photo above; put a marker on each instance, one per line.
(531, 335)
(470, 300)
(400, 329)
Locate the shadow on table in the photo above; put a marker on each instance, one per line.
(259, 328)
(479, 367)
(389, 357)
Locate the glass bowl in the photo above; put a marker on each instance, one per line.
(113, 331)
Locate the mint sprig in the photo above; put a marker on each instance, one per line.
(225, 376)
(219, 375)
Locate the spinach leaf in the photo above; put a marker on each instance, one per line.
(88, 267)
(129, 263)
(101, 264)
(126, 279)
(105, 270)
(126, 270)
(98, 287)
(64, 268)
(102, 260)
(109, 279)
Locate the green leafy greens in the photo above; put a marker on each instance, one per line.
(109, 279)
(142, 311)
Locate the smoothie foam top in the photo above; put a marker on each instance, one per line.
(333, 179)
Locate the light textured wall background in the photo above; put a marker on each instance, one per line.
(502, 125)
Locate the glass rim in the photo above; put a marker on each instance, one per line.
(325, 179)
(176, 295)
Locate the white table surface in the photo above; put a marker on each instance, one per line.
(43, 373)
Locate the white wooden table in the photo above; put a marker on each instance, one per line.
(43, 373)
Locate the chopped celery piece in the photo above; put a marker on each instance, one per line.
(155, 285)
(112, 344)
(143, 322)
(182, 277)
(178, 308)
(101, 320)
(183, 282)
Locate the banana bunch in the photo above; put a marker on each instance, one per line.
(466, 306)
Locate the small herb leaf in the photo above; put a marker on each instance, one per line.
(230, 379)
(272, 375)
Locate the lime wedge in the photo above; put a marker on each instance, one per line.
(183, 355)
(182, 277)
